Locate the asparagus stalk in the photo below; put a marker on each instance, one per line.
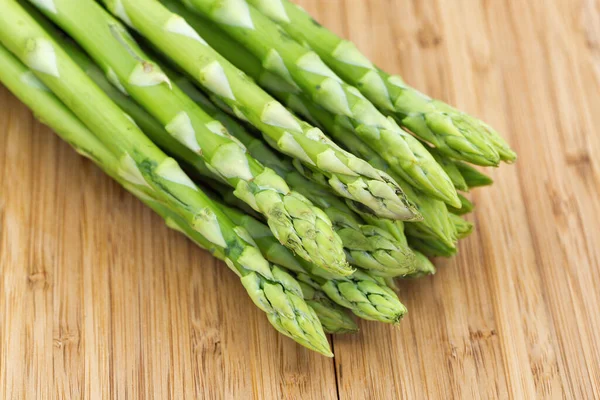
(367, 246)
(435, 214)
(364, 294)
(473, 177)
(304, 69)
(273, 290)
(454, 133)
(294, 220)
(348, 175)
(466, 208)
(149, 124)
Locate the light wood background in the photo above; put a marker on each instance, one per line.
(99, 299)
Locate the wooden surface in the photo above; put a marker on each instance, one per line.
(98, 298)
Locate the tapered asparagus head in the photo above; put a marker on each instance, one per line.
(380, 196)
(310, 235)
(368, 297)
(424, 266)
(334, 318)
(280, 296)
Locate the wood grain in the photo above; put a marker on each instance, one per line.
(98, 299)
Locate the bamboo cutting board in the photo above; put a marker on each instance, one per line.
(98, 299)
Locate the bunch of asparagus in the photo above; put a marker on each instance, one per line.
(262, 136)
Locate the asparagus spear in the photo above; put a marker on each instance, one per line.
(463, 227)
(451, 169)
(332, 316)
(430, 247)
(456, 134)
(367, 246)
(273, 290)
(348, 175)
(294, 220)
(364, 294)
(426, 267)
(377, 258)
(304, 69)
(466, 208)
(473, 177)
(435, 214)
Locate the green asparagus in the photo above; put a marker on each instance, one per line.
(463, 227)
(364, 294)
(426, 267)
(430, 247)
(347, 174)
(272, 290)
(304, 69)
(435, 219)
(457, 134)
(435, 214)
(367, 246)
(466, 208)
(332, 316)
(315, 233)
(473, 177)
(294, 220)
(451, 169)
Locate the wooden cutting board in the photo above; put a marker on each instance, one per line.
(99, 298)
